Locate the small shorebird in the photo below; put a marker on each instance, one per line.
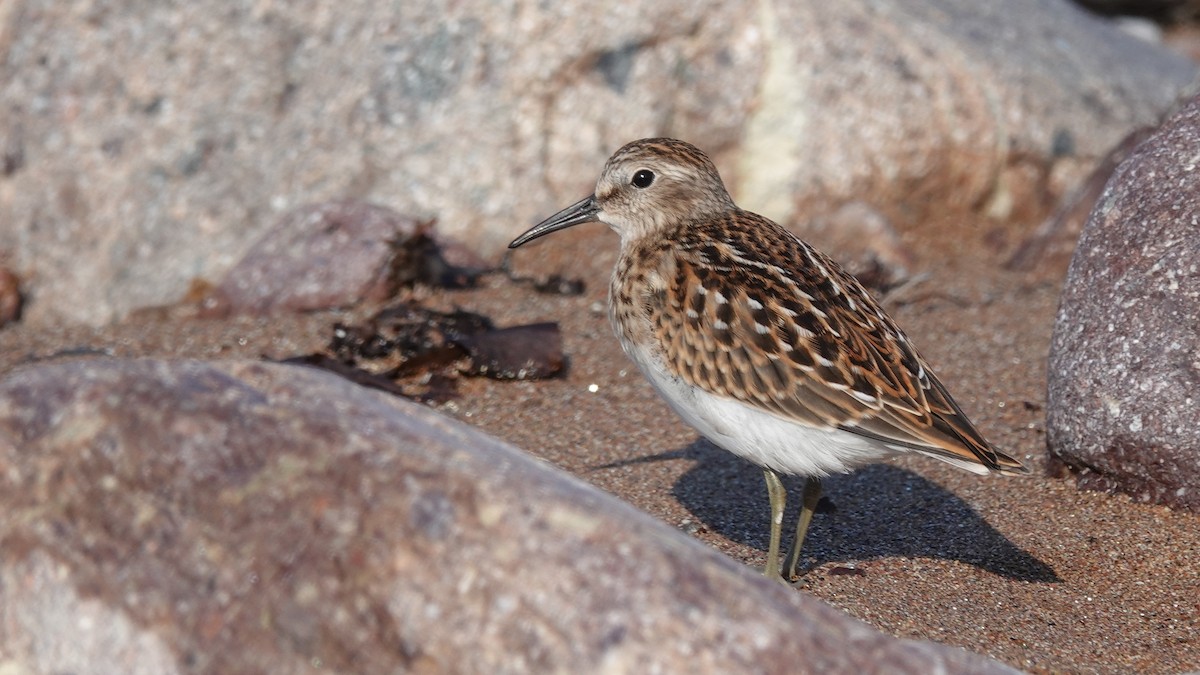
(759, 341)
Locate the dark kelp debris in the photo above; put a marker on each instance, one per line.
(417, 352)
(406, 339)
(529, 352)
(424, 258)
(11, 297)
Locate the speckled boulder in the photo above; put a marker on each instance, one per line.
(1124, 381)
(145, 145)
(174, 517)
(320, 256)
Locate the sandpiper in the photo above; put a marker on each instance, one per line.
(759, 341)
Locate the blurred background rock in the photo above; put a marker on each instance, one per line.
(144, 145)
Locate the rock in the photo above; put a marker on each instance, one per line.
(1141, 28)
(1123, 400)
(1053, 242)
(248, 517)
(866, 244)
(323, 256)
(1184, 39)
(133, 161)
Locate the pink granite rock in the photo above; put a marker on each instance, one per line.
(1124, 380)
(251, 518)
(323, 256)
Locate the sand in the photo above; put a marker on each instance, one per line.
(1027, 570)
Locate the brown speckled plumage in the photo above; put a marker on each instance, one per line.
(796, 336)
(757, 339)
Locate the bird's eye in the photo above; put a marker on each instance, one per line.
(643, 178)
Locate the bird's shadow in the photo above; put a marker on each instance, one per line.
(878, 511)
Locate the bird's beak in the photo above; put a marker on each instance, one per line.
(583, 211)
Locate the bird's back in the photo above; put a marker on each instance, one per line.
(738, 308)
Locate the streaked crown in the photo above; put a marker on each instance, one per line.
(656, 183)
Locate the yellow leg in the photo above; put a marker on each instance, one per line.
(778, 496)
(812, 495)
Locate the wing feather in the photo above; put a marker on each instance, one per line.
(806, 343)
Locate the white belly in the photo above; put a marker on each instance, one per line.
(759, 436)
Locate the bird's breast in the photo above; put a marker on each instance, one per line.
(628, 313)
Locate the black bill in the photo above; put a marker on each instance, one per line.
(582, 211)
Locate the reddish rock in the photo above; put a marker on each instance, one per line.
(1054, 240)
(324, 256)
(250, 518)
(1124, 372)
